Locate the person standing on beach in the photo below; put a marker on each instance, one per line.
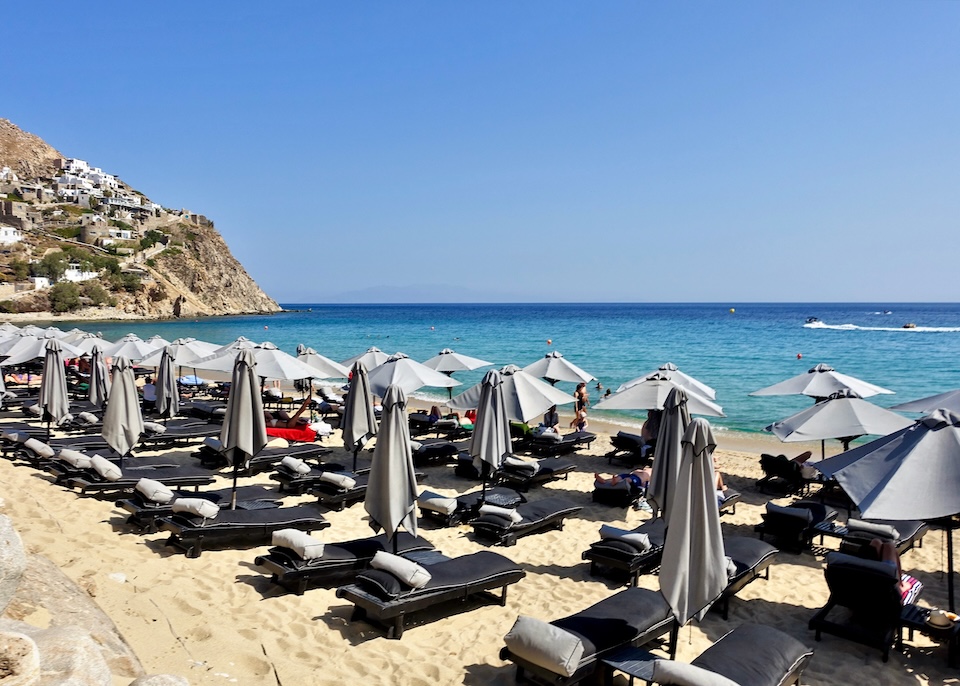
(581, 400)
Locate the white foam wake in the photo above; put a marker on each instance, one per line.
(854, 327)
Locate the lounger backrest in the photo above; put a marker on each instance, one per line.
(866, 587)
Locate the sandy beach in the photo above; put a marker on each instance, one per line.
(218, 619)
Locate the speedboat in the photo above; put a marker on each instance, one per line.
(812, 320)
(909, 325)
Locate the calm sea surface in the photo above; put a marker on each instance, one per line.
(736, 352)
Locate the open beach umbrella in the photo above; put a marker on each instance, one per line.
(271, 363)
(359, 421)
(490, 442)
(122, 421)
(693, 572)
(168, 396)
(651, 394)
(942, 401)
(28, 348)
(158, 342)
(672, 372)
(555, 367)
(408, 374)
(324, 367)
(54, 401)
(99, 378)
(843, 415)
(185, 352)
(12, 339)
(820, 382)
(391, 497)
(87, 341)
(448, 362)
(241, 343)
(912, 473)
(8, 328)
(244, 432)
(73, 335)
(525, 396)
(371, 358)
(666, 466)
(130, 346)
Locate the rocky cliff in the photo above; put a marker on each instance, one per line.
(27, 155)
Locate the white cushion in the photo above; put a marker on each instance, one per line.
(213, 444)
(88, 418)
(521, 465)
(885, 531)
(504, 512)
(415, 446)
(295, 465)
(196, 506)
(408, 571)
(344, 481)
(154, 491)
(429, 500)
(641, 541)
(105, 468)
(74, 458)
(683, 674)
(65, 420)
(39, 447)
(274, 393)
(322, 428)
(545, 645)
(300, 542)
(34, 410)
(17, 436)
(154, 428)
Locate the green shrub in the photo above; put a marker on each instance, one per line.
(96, 293)
(64, 296)
(150, 238)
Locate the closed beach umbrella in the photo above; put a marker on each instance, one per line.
(408, 374)
(555, 367)
(910, 474)
(244, 432)
(122, 422)
(168, 397)
(392, 491)
(672, 372)
(324, 367)
(371, 358)
(525, 397)
(942, 401)
(99, 378)
(359, 420)
(490, 442)
(54, 401)
(447, 361)
(666, 466)
(820, 382)
(651, 394)
(130, 346)
(844, 415)
(693, 572)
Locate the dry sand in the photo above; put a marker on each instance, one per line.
(219, 620)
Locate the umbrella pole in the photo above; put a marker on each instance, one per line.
(355, 451)
(950, 565)
(236, 471)
(823, 449)
(395, 545)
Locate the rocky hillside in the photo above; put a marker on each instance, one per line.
(172, 263)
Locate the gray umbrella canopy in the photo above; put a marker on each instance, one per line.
(525, 396)
(651, 394)
(447, 361)
(942, 401)
(54, 401)
(130, 346)
(490, 441)
(693, 572)
(392, 491)
(843, 415)
(359, 419)
(87, 341)
(271, 362)
(122, 421)
(185, 352)
(158, 341)
(408, 374)
(99, 378)
(820, 382)
(168, 396)
(666, 467)
(910, 474)
(27, 348)
(555, 367)
(371, 359)
(324, 367)
(244, 432)
(672, 372)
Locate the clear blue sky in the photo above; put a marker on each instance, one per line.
(537, 151)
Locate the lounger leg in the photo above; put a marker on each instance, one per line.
(674, 635)
(503, 597)
(396, 631)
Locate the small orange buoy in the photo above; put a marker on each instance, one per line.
(549, 341)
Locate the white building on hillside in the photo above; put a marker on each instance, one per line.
(73, 273)
(10, 234)
(7, 175)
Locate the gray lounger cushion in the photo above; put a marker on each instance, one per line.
(545, 645)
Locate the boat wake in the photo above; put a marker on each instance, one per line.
(854, 327)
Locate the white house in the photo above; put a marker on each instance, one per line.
(73, 273)
(10, 234)
(40, 282)
(8, 175)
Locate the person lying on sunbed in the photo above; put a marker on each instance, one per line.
(639, 478)
(284, 421)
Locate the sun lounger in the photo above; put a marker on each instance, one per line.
(336, 496)
(525, 474)
(794, 527)
(464, 508)
(192, 533)
(534, 518)
(144, 513)
(210, 456)
(630, 449)
(632, 617)
(175, 477)
(904, 534)
(302, 434)
(752, 559)
(782, 476)
(450, 579)
(433, 451)
(728, 503)
(548, 446)
(750, 655)
(625, 555)
(339, 564)
(621, 494)
(295, 479)
(209, 410)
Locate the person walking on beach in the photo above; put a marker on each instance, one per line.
(580, 402)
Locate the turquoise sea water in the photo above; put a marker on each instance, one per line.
(735, 352)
